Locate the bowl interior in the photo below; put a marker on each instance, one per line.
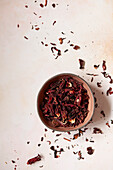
(90, 105)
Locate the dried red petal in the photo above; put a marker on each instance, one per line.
(61, 40)
(53, 5)
(102, 112)
(33, 160)
(76, 47)
(111, 121)
(56, 49)
(92, 79)
(90, 151)
(54, 22)
(92, 74)
(82, 63)
(96, 66)
(34, 13)
(26, 37)
(53, 44)
(65, 50)
(49, 142)
(107, 124)
(109, 91)
(67, 139)
(37, 29)
(41, 5)
(58, 134)
(99, 84)
(46, 2)
(104, 65)
(26, 6)
(97, 130)
(80, 155)
(42, 138)
(76, 136)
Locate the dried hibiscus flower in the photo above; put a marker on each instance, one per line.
(90, 151)
(80, 155)
(96, 66)
(82, 63)
(61, 40)
(99, 84)
(97, 131)
(106, 75)
(65, 103)
(76, 47)
(109, 91)
(102, 112)
(33, 160)
(104, 65)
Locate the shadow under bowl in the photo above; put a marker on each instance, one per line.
(41, 96)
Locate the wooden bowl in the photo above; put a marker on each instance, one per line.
(90, 105)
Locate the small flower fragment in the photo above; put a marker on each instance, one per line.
(109, 91)
(54, 23)
(71, 44)
(45, 130)
(104, 65)
(76, 47)
(49, 142)
(58, 134)
(53, 44)
(26, 6)
(96, 66)
(89, 74)
(107, 124)
(80, 155)
(99, 84)
(37, 28)
(53, 5)
(67, 139)
(97, 130)
(41, 166)
(61, 40)
(56, 151)
(26, 37)
(82, 63)
(74, 152)
(46, 1)
(13, 161)
(41, 5)
(63, 33)
(42, 138)
(106, 75)
(33, 160)
(34, 13)
(102, 112)
(87, 140)
(58, 51)
(65, 50)
(92, 79)
(72, 32)
(90, 151)
(76, 136)
(18, 25)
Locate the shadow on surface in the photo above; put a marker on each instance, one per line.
(103, 104)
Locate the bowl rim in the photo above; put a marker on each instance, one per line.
(63, 74)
